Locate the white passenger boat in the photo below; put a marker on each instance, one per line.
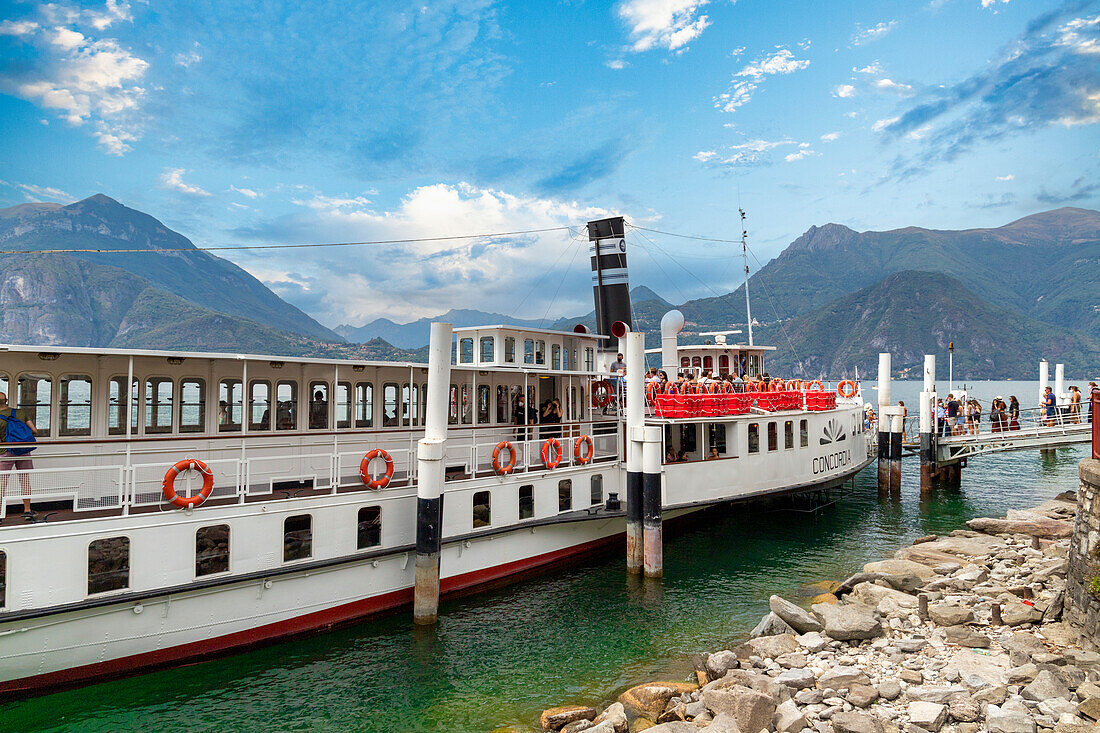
(190, 504)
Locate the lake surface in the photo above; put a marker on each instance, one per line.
(582, 634)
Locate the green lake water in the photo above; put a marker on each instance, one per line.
(577, 635)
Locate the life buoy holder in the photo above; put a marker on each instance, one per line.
(847, 393)
(815, 386)
(601, 393)
(169, 485)
(776, 385)
(507, 468)
(795, 385)
(671, 388)
(583, 458)
(364, 469)
(551, 445)
(652, 390)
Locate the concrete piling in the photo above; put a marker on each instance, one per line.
(635, 421)
(927, 428)
(884, 405)
(430, 454)
(897, 422)
(651, 501)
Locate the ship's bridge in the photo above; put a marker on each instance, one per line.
(720, 356)
(526, 348)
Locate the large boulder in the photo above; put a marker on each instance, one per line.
(753, 710)
(788, 718)
(965, 636)
(853, 722)
(928, 715)
(771, 625)
(1045, 686)
(556, 718)
(947, 614)
(845, 622)
(1015, 612)
(799, 619)
(1051, 529)
(649, 700)
(615, 716)
(1000, 720)
(838, 677)
(796, 679)
(768, 647)
(951, 549)
(719, 663)
(895, 566)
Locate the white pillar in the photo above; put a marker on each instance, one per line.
(927, 428)
(883, 384)
(1044, 378)
(884, 421)
(652, 509)
(635, 421)
(1060, 383)
(671, 324)
(929, 372)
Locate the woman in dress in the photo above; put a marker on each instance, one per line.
(976, 413)
(1013, 413)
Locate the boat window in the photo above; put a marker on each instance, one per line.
(528, 351)
(696, 361)
(526, 501)
(716, 437)
(229, 405)
(192, 405)
(467, 408)
(117, 406)
(466, 351)
(565, 495)
(369, 528)
(423, 403)
(343, 405)
(688, 438)
(318, 405)
(803, 433)
(34, 398)
(555, 356)
(297, 537)
(487, 343)
(158, 405)
(708, 362)
(286, 406)
(74, 410)
(597, 489)
(540, 352)
(685, 362)
(773, 437)
(573, 360)
(452, 410)
(502, 404)
(509, 350)
(754, 437)
(364, 405)
(212, 550)
(259, 405)
(389, 405)
(723, 364)
(788, 434)
(108, 564)
(414, 410)
(484, 397)
(483, 515)
(589, 360)
(3, 570)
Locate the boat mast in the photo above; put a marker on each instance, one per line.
(745, 255)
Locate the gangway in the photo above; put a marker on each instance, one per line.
(1033, 431)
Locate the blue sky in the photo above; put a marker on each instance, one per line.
(268, 122)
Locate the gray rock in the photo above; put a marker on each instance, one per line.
(809, 696)
(753, 710)
(812, 641)
(928, 715)
(674, 726)
(839, 677)
(1015, 612)
(799, 619)
(722, 723)
(793, 660)
(849, 621)
(966, 636)
(964, 709)
(1021, 646)
(862, 695)
(998, 720)
(1056, 706)
(940, 694)
(796, 679)
(615, 716)
(1084, 658)
(946, 568)
(912, 645)
(770, 625)
(719, 663)
(577, 726)
(994, 695)
(768, 647)
(788, 718)
(1021, 675)
(1090, 708)
(945, 614)
(1044, 687)
(889, 689)
(853, 722)
(975, 682)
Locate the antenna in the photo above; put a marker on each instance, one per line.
(745, 255)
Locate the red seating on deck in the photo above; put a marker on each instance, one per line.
(673, 404)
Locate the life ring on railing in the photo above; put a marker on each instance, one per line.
(652, 390)
(364, 473)
(548, 445)
(776, 385)
(602, 391)
(849, 393)
(815, 386)
(583, 458)
(795, 385)
(169, 485)
(751, 387)
(727, 387)
(510, 465)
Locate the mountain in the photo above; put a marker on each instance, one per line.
(1046, 265)
(913, 313)
(101, 223)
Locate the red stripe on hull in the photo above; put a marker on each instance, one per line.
(299, 625)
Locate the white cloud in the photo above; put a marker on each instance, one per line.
(748, 79)
(17, 27)
(874, 68)
(881, 125)
(804, 151)
(669, 24)
(889, 85)
(737, 52)
(1072, 35)
(333, 203)
(1009, 177)
(830, 137)
(245, 192)
(851, 114)
(844, 90)
(617, 64)
(754, 151)
(36, 193)
(866, 35)
(188, 58)
(704, 156)
(172, 179)
(67, 39)
(992, 3)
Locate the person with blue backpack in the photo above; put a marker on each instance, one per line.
(16, 428)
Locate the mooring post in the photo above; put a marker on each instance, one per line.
(1059, 383)
(430, 454)
(651, 501)
(884, 406)
(928, 424)
(897, 422)
(1044, 378)
(635, 421)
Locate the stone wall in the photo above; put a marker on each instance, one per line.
(1082, 608)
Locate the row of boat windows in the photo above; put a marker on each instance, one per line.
(534, 353)
(716, 436)
(167, 405)
(109, 557)
(751, 364)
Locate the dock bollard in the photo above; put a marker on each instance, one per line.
(884, 406)
(927, 427)
(635, 421)
(651, 502)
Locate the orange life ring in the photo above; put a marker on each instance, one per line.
(510, 465)
(794, 385)
(601, 393)
(169, 485)
(815, 386)
(583, 458)
(364, 473)
(672, 388)
(551, 444)
(727, 387)
(846, 394)
(652, 390)
(776, 385)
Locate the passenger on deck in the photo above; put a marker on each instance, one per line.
(1074, 404)
(953, 409)
(904, 415)
(713, 454)
(670, 455)
(1013, 413)
(618, 374)
(523, 416)
(682, 457)
(1049, 403)
(997, 420)
(223, 414)
(318, 411)
(550, 415)
(941, 418)
(976, 413)
(10, 462)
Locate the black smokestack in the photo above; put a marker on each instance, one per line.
(610, 286)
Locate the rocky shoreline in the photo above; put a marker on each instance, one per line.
(954, 634)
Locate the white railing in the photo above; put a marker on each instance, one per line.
(1031, 421)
